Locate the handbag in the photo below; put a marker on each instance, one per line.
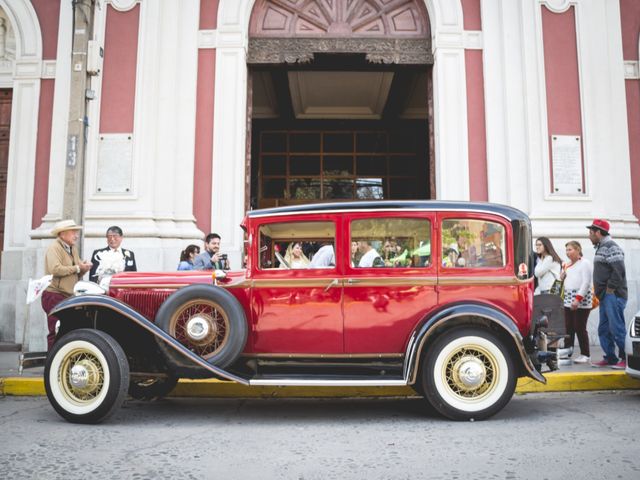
(557, 288)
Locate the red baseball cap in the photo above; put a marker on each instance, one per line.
(600, 224)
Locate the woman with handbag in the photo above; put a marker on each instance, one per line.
(548, 266)
(578, 298)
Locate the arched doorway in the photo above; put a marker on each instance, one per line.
(339, 101)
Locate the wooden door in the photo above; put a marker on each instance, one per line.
(5, 125)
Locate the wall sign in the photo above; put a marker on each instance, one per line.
(566, 155)
(115, 159)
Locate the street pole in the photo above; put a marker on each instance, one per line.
(73, 200)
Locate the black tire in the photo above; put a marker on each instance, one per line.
(214, 307)
(149, 389)
(468, 374)
(100, 381)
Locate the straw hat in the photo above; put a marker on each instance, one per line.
(63, 226)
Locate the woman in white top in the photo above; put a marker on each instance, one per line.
(548, 266)
(577, 298)
(294, 256)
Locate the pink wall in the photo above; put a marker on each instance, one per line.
(208, 14)
(203, 167)
(119, 71)
(43, 150)
(478, 189)
(472, 15)
(630, 20)
(562, 77)
(48, 12)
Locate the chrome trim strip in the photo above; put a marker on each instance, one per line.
(391, 282)
(113, 304)
(291, 382)
(293, 282)
(331, 356)
(485, 280)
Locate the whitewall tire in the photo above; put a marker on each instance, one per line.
(468, 374)
(86, 376)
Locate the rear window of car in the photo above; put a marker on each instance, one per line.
(473, 244)
(390, 242)
(297, 245)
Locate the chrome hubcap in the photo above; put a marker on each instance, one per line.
(198, 328)
(470, 372)
(79, 376)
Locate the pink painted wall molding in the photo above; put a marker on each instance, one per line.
(562, 80)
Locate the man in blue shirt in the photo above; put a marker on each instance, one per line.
(211, 258)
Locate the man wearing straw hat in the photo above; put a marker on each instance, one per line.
(61, 261)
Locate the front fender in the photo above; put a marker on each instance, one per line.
(420, 336)
(64, 309)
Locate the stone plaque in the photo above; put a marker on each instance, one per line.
(115, 162)
(566, 154)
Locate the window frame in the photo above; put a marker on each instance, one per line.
(482, 270)
(429, 270)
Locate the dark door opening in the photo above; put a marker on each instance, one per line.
(339, 129)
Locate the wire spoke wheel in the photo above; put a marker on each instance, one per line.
(81, 376)
(202, 326)
(468, 374)
(86, 376)
(206, 319)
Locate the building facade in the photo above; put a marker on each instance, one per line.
(197, 110)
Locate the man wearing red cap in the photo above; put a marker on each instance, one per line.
(610, 284)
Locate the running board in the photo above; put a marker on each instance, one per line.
(328, 382)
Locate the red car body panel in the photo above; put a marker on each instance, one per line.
(344, 310)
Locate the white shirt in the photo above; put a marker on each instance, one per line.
(547, 271)
(323, 258)
(368, 258)
(578, 277)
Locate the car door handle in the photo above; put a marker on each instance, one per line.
(333, 283)
(352, 281)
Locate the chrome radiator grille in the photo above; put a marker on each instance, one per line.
(636, 327)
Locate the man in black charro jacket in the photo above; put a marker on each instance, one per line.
(114, 239)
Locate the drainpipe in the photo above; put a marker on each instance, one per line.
(73, 199)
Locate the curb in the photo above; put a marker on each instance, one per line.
(556, 382)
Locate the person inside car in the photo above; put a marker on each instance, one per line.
(370, 257)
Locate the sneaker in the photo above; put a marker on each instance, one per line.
(621, 365)
(582, 359)
(601, 363)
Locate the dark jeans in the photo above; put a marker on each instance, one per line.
(611, 330)
(575, 322)
(49, 300)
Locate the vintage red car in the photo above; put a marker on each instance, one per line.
(436, 295)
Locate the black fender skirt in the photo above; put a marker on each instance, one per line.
(104, 301)
(489, 313)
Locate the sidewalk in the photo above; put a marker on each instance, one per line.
(571, 377)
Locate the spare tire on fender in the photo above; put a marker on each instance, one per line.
(206, 319)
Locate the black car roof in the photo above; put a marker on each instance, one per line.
(430, 205)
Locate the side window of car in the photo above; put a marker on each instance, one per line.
(297, 245)
(472, 244)
(390, 243)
